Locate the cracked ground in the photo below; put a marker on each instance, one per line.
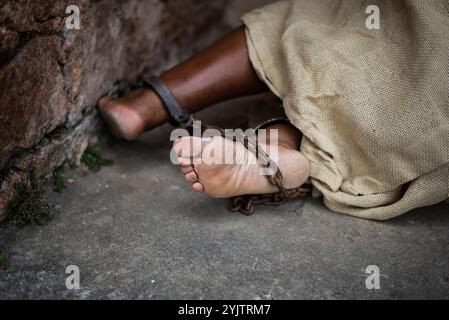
(136, 230)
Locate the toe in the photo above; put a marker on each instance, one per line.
(191, 177)
(186, 169)
(185, 162)
(188, 147)
(198, 187)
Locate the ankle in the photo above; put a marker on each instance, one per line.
(152, 110)
(289, 145)
(288, 136)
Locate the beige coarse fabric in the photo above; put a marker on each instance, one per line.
(373, 104)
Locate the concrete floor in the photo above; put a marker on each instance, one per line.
(136, 230)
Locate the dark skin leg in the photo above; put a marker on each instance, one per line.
(221, 72)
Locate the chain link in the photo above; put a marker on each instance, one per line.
(246, 204)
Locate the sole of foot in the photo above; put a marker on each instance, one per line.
(202, 163)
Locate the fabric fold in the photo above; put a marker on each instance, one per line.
(372, 104)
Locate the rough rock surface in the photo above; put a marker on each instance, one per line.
(51, 77)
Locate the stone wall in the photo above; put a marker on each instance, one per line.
(51, 78)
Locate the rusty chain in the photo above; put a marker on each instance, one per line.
(246, 204)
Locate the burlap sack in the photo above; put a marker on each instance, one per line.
(373, 104)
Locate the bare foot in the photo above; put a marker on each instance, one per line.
(134, 114)
(229, 180)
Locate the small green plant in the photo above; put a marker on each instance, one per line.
(57, 182)
(93, 159)
(29, 206)
(3, 259)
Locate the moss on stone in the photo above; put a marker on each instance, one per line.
(29, 206)
(57, 181)
(93, 159)
(3, 259)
